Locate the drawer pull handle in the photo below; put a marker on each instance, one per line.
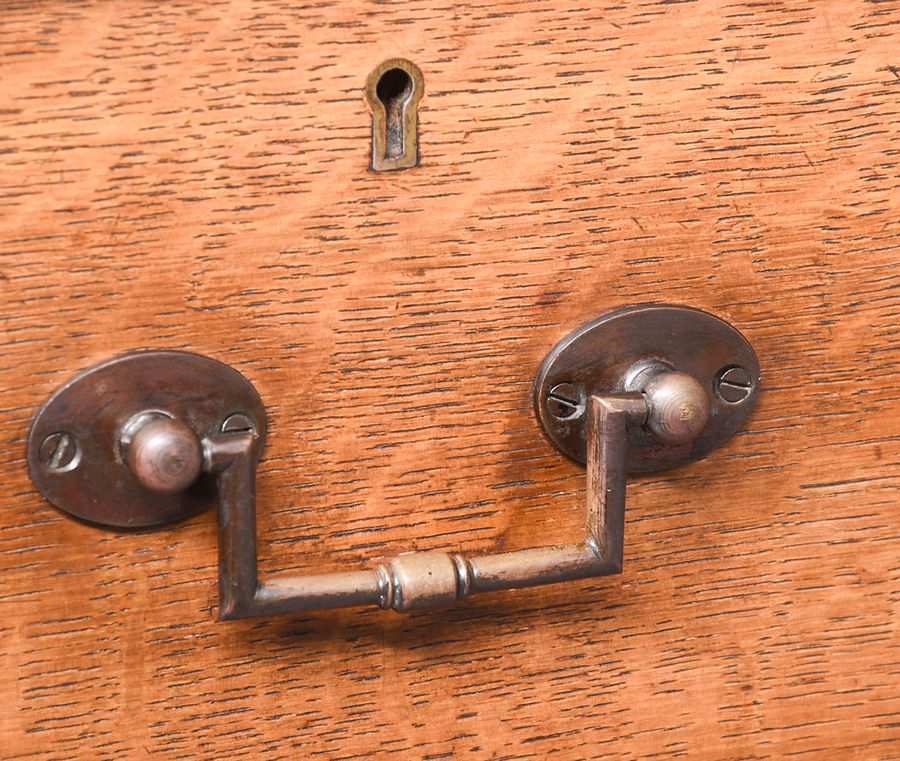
(639, 393)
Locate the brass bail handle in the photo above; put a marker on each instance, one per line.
(153, 443)
(166, 453)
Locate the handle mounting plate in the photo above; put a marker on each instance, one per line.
(604, 356)
(80, 426)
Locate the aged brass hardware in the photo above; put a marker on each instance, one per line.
(393, 91)
(98, 415)
(621, 352)
(734, 384)
(639, 390)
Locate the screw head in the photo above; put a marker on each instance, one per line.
(565, 401)
(238, 423)
(733, 384)
(59, 452)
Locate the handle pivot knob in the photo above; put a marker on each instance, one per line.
(678, 407)
(164, 455)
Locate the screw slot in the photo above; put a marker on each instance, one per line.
(238, 423)
(565, 401)
(59, 452)
(733, 384)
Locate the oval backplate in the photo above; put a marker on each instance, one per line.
(596, 358)
(91, 480)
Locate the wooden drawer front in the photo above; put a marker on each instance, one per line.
(195, 176)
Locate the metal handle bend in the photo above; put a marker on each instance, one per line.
(423, 579)
(641, 388)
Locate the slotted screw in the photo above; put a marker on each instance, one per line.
(238, 423)
(58, 452)
(733, 384)
(565, 401)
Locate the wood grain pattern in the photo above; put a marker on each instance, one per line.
(194, 175)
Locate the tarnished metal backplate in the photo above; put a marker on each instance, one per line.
(596, 359)
(73, 447)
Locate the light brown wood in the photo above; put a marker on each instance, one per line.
(194, 175)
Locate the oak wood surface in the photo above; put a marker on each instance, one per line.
(194, 175)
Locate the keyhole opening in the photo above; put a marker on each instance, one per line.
(394, 89)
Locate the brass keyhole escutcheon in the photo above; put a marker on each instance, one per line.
(393, 91)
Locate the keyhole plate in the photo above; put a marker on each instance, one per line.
(602, 356)
(393, 91)
(91, 410)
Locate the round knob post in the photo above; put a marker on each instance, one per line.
(678, 407)
(164, 455)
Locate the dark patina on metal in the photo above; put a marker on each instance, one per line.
(75, 447)
(610, 354)
(647, 387)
